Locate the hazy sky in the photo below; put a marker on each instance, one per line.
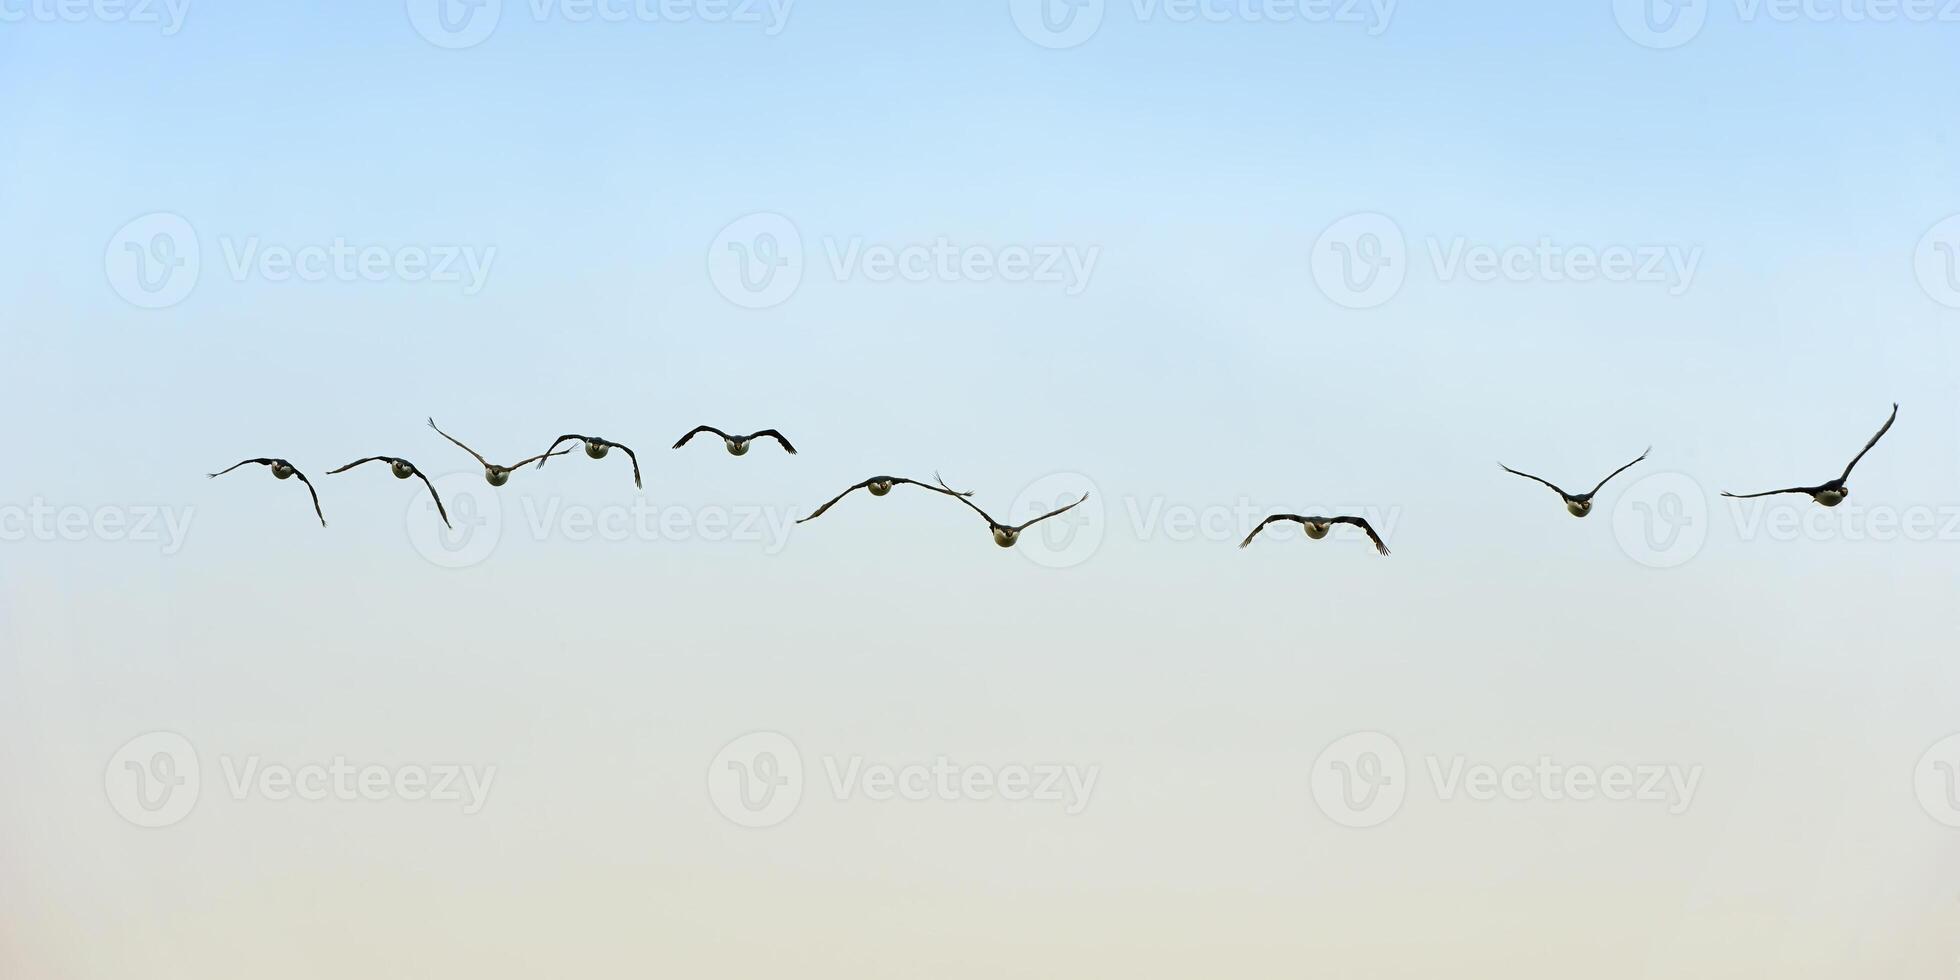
(1205, 262)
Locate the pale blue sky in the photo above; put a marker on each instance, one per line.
(1202, 370)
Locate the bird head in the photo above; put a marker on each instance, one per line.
(402, 469)
(1578, 508)
(879, 488)
(497, 476)
(1316, 531)
(1005, 537)
(596, 449)
(738, 447)
(283, 470)
(1833, 497)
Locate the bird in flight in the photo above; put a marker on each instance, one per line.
(1832, 493)
(596, 448)
(497, 476)
(1317, 528)
(737, 445)
(284, 471)
(1006, 535)
(403, 469)
(879, 486)
(1578, 505)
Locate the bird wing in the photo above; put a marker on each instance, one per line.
(1621, 470)
(773, 434)
(555, 443)
(1887, 427)
(629, 455)
(520, 464)
(261, 461)
(961, 497)
(438, 498)
(315, 494)
(832, 501)
(390, 460)
(1269, 520)
(697, 430)
(1362, 523)
(1540, 479)
(1770, 493)
(445, 435)
(1052, 513)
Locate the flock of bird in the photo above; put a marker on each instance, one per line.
(1829, 493)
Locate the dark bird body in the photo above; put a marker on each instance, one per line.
(284, 471)
(1317, 528)
(596, 448)
(495, 475)
(1577, 504)
(402, 469)
(737, 445)
(1833, 492)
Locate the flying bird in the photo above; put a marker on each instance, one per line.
(1832, 493)
(1578, 505)
(497, 476)
(284, 471)
(403, 469)
(1317, 528)
(597, 448)
(1006, 535)
(879, 486)
(737, 445)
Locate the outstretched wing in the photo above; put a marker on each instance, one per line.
(438, 499)
(315, 494)
(961, 497)
(629, 455)
(773, 434)
(1623, 469)
(390, 460)
(697, 430)
(1887, 427)
(1770, 493)
(445, 435)
(1362, 523)
(1052, 513)
(520, 464)
(832, 501)
(1540, 479)
(555, 443)
(261, 461)
(1269, 520)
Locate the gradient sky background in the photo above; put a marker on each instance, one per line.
(1202, 370)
